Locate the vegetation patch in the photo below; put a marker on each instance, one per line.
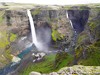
(48, 64)
(5, 39)
(92, 54)
(62, 59)
(56, 35)
(81, 38)
(7, 55)
(43, 66)
(93, 25)
(5, 50)
(36, 11)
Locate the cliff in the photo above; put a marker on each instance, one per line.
(15, 28)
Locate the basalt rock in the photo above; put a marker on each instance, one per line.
(17, 21)
(79, 19)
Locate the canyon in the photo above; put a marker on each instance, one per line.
(67, 34)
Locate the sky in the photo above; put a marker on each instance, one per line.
(54, 2)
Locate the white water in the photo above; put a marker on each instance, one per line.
(34, 39)
(73, 42)
(39, 45)
(69, 19)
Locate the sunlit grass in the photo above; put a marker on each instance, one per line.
(46, 66)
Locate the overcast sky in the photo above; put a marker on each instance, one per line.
(58, 2)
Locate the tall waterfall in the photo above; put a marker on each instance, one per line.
(34, 39)
(73, 42)
(39, 45)
(69, 19)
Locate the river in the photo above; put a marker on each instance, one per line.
(9, 68)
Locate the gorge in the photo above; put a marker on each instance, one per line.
(67, 35)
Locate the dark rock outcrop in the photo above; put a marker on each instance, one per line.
(79, 19)
(17, 20)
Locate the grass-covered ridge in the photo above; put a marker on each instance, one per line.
(87, 53)
(43, 66)
(49, 64)
(92, 56)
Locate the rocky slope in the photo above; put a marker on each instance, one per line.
(74, 70)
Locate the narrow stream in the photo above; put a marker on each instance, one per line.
(74, 39)
(9, 68)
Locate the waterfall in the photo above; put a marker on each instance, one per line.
(39, 45)
(73, 42)
(34, 39)
(69, 19)
(71, 23)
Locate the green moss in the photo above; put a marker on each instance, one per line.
(93, 60)
(66, 7)
(97, 44)
(5, 46)
(56, 35)
(92, 25)
(36, 11)
(62, 59)
(54, 19)
(92, 55)
(78, 52)
(48, 64)
(45, 66)
(7, 55)
(4, 39)
(81, 38)
(83, 7)
(12, 37)
(91, 51)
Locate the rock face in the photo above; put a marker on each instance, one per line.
(17, 20)
(79, 19)
(77, 70)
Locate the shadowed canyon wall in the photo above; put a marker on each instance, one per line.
(79, 19)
